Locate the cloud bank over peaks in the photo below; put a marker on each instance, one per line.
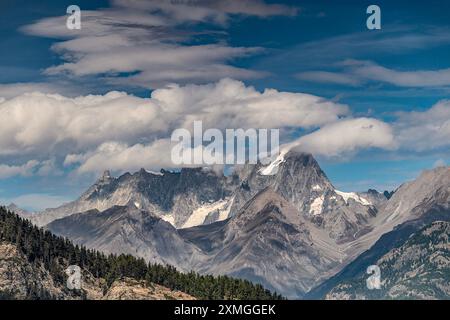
(36, 125)
(47, 133)
(346, 136)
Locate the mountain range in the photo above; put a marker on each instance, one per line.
(283, 225)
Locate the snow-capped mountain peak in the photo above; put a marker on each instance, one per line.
(273, 167)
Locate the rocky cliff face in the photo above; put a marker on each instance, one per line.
(21, 279)
(172, 196)
(269, 242)
(236, 246)
(412, 201)
(267, 226)
(299, 179)
(199, 196)
(418, 269)
(128, 229)
(388, 241)
(131, 289)
(414, 205)
(432, 187)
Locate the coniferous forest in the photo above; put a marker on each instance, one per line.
(57, 253)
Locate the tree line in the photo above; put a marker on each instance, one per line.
(55, 253)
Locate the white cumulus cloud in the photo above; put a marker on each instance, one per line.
(121, 157)
(347, 135)
(425, 130)
(48, 127)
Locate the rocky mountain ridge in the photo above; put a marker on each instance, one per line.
(128, 229)
(287, 211)
(417, 269)
(173, 196)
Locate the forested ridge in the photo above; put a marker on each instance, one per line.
(57, 253)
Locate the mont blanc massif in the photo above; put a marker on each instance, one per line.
(281, 225)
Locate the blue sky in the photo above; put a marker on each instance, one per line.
(395, 75)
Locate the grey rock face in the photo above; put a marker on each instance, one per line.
(237, 246)
(200, 196)
(301, 181)
(432, 186)
(388, 241)
(268, 242)
(376, 198)
(18, 275)
(418, 269)
(127, 229)
(414, 205)
(172, 196)
(21, 279)
(268, 226)
(410, 202)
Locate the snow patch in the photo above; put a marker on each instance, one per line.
(169, 218)
(199, 215)
(225, 214)
(317, 206)
(155, 173)
(272, 168)
(354, 196)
